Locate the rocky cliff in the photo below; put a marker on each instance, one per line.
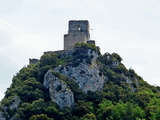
(79, 84)
(87, 76)
(58, 90)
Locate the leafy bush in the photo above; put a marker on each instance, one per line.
(84, 46)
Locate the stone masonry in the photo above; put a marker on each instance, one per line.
(78, 32)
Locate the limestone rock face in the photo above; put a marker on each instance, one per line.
(58, 90)
(87, 76)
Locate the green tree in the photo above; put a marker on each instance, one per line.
(95, 97)
(119, 110)
(51, 111)
(82, 108)
(104, 107)
(40, 117)
(64, 113)
(117, 57)
(26, 110)
(90, 116)
(31, 90)
(128, 111)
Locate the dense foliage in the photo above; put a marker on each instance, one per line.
(125, 95)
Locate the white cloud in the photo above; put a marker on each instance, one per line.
(66, 4)
(9, 6)
(19, 43)
(16, 47)
(95, 6)
(154, 47)
(80, 6)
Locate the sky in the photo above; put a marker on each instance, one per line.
(127, 27)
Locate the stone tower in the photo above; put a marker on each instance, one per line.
(78, 32)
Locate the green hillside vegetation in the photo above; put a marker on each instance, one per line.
(119, 99)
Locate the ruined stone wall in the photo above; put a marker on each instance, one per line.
(33, 61)
(57, 52)
(71, 39)
(91, 42)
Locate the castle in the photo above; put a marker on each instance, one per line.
(78, 31)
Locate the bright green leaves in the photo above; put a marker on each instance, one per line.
(119, 111)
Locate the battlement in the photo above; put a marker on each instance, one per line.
(79, 26)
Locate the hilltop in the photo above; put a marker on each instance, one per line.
(79, 84)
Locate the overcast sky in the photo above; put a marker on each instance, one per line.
(128, 27)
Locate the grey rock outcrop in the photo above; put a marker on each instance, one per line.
(58, 90)
(87, 76)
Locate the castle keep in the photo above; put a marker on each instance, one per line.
(78, 31)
